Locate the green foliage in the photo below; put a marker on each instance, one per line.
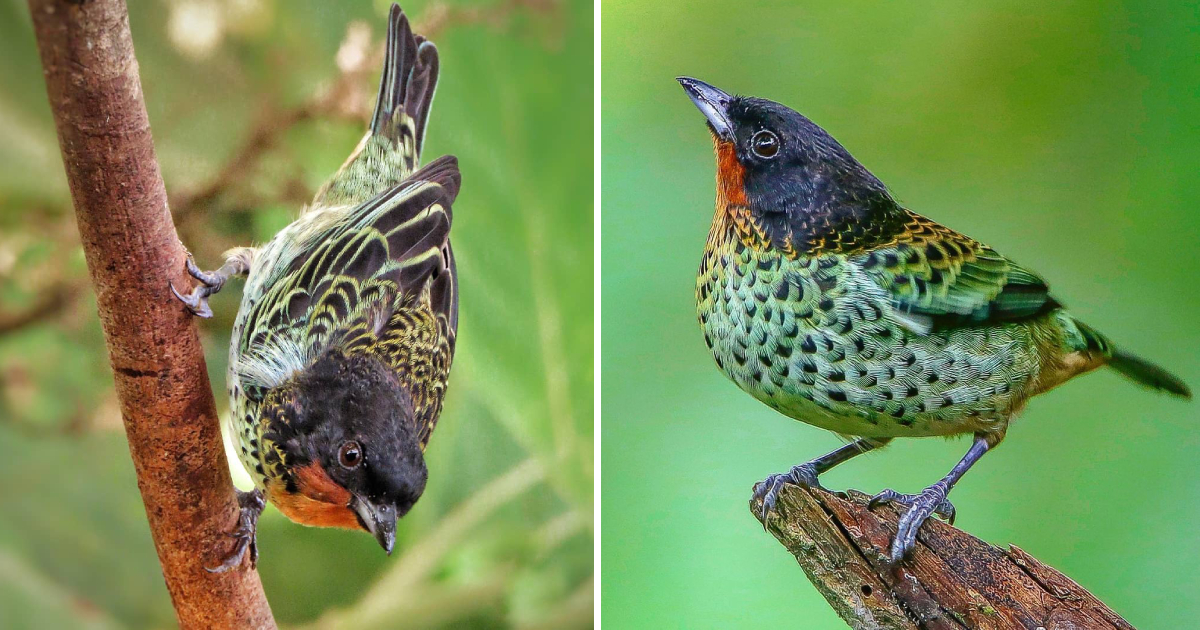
(1062, 134)
(502, 537)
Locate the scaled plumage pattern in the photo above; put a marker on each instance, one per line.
(342, 347)
(823, 298)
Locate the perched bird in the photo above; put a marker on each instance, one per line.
(342, 346)
(822, 297)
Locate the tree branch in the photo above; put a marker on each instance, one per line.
(952, 580)
(132, 252)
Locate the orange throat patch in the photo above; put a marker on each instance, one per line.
(319, 501)
(731, 175)
(733, 208)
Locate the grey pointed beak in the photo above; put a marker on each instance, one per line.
(377, 518)
(711, 102)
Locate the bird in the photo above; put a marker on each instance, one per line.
(821, 296)
(342, 345)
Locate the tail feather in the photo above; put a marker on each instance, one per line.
(1132, 366)
(1149, 374)
(410, 74)
(391, 149)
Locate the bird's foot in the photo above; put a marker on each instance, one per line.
(246, 533)
(210, 283)
(931, 501)
(768, 489)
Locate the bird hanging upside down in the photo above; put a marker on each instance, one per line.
(342, 346)
(823, 298)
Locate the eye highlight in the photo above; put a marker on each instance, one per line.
(350, 455)
(765, 144)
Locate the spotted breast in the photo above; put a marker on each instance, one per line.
(817, 339)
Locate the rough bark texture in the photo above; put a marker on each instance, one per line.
(132, 252)
(952, 580)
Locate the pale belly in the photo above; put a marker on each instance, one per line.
(816, 340)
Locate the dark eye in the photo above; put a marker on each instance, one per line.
(765, 144)
(350, 455)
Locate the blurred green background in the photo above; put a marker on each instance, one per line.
(1063, 134)
(253, 104)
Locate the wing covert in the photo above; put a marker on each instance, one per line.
(356, 271)
(939, 278)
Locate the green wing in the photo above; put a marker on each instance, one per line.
(939, 278)
(387, 252)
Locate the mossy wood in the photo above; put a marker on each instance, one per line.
(951, 581)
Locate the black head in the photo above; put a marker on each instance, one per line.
(351, 442)
(790, 172)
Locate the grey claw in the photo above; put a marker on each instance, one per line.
(944, 509)
(765, 491)
(887, 495)
(920, 507)
(804, 475)
(234, 559)
(190, 263)
(246, 533)
(768, 489)
(210, 279)
(197, 300)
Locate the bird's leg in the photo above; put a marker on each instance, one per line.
(246, 533)
(806, 474)
(931, 501)
(237, 263)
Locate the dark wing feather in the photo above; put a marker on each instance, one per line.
(410, 74)
(943, 279)
(392, 147)
(386, 251)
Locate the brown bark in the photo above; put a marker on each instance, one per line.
(952, 580)
(132, 252)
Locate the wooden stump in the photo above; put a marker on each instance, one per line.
(952, 580)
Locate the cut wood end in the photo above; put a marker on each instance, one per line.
(951, 580)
